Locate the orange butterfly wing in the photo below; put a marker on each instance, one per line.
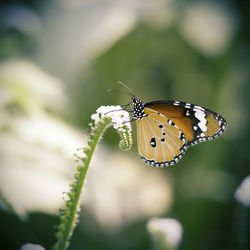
(160, 141)
(197, 123)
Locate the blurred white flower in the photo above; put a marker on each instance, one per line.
(30, 246)
(98, 25)
(35, 162)
(242, 193)
(169, 228)
(36, 147)
(208, 27)
(27, 85)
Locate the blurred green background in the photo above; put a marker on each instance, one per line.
(58, 58)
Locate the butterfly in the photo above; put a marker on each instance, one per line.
(166, 129)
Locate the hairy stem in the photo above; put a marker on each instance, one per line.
(69, 215)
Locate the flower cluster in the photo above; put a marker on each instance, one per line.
(120, 120)
(119, 116)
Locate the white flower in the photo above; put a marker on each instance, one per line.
(171, 229)
(119, 116)
(242, 193)
(30, 246)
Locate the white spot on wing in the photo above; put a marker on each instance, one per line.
(202, 126)
(201, 116)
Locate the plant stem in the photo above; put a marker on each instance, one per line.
(70, 214)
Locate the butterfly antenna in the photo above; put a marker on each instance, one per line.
(119, 91)
(124, 109)
(130, 90)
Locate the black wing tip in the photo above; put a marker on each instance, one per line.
(223, 126)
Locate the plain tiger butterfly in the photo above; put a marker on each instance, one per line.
(166, 129)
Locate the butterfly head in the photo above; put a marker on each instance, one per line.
(138, 111)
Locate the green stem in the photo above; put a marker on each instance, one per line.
(70, 214)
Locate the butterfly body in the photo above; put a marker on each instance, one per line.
(165, 129)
